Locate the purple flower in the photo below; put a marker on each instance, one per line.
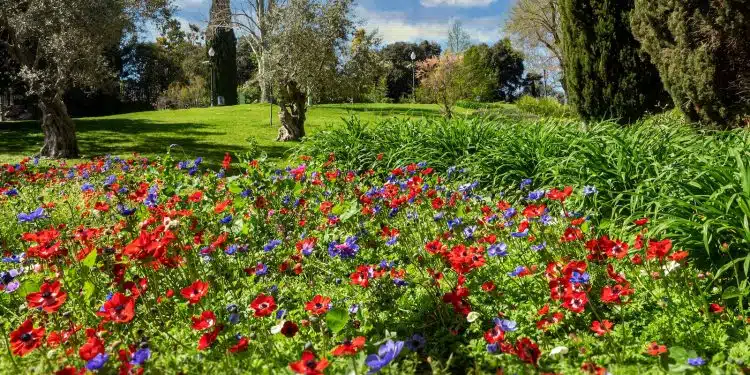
(526, 182)
(469, 232)
(152, 197)
(124, 211)
(416, 342)
(87, 187)
(140, 356)
(271, 245)
(226, 219)
(505, 324)
(492, 348)
(348, 249)
(539, 247)
(31, 216)
(579, 278)
(97, 362)
(353, 308)
(520, 234)
(110, 180)
(392, 241)
(454, 222)
(498, 249)
(261, 269)
(386, 354)
(697, 361)
(509, 213)
(517, 271)
(535, 195)
(11, 193)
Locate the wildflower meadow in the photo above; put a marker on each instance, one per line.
(134, 266)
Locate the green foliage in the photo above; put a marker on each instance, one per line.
(696, 184)
(606, 74)
(225, 65)
(493, 72)
(400, 72)
(702, 54)
(547, 107)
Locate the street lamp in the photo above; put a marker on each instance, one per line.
(211, 54)
(413, 92)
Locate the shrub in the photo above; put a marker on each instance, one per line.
(547, 107)
(606, 74)
(179, 95)
(702, 54)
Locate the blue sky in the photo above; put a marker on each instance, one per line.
(402, 20)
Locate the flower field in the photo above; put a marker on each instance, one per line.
(163, 266)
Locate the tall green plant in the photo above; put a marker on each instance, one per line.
(606, 74)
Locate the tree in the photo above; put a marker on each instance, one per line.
(306, 40)
(441, 77)
(247, 65)
(606, 73)
(397, 55)
(507, 63)
(362, 68)
(458, 39)
(255, 19)
(535, 27)
(480, 77)
(220, 37)
(63, 50)
(532, 85)
(702, 52)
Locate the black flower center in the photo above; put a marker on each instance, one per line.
(26, 337)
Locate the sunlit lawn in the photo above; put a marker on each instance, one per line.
(206, 132)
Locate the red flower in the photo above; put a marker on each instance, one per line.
(658, 249)
(641, 221)
(318, 305)
(528, 351)
(349, 347)
(575, 301)
(309, 364)
(571, 234)
(601, 328)
(26, 338)
(263, 305)
(557, 195)
(614, 294)
(92, 347)
(240, 346)
(195, 291)
(716, 308)
(361, 276)
(119, 309)
(494, 335)
(679, 255)
(289, 329)
(655, 349)
(49, 298)
(488, 286)
(209, 338)
(226, 162)
(206, 320)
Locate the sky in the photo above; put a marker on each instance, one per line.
(402, 20)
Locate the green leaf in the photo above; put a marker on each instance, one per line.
(90, 260)
(29, 286)
(238, 226)
(336, 319)
(234, 187)
(88, 290)
(353, 210)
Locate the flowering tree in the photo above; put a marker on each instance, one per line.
(442, 79)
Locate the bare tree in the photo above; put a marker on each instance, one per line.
(254, 19)
(458, 39)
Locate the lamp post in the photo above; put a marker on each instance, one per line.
(211, 54)
(413, 91)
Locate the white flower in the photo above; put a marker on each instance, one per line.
(472, 316)
(558, 351)
(277, 328)
(669, 267)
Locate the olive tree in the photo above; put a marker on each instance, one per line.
(59, 44)
(306, 42)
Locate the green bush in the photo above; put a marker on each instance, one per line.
(547, 107)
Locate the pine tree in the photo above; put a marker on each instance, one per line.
(702, 51)
(607, 75)
(220, 37)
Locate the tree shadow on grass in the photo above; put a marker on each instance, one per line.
(124, 137)
(391, 111)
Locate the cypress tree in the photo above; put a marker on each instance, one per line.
(606, 73)
(702, 51)
(220, 37)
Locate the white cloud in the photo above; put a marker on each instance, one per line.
(456, 3)
(396, 27)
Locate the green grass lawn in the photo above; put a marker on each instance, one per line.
(206, 132)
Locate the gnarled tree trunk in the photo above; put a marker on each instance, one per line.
(59, 129)
(292, 113)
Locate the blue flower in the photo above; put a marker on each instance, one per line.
(386, 354)
(32, 216)
(454, 222)
(539, 247)
(579, 278)
(498, 249)
(140, 356)
(536, 195)
(492, 348)
(124, 211)
(231, 249)
(110, 180)
(589, 190)
(97, 362)
(526, 182)
(353, 308)
(348, 249)
(697, 361)
(416, 342)
(271, 245)
(509, 213)
(261, 269)
(469, 232)
(11, 193)
(438, 216)
(15, 258)
(226, 219)
(506, 325)
(392, 241)
(152, 197)
(546, 219)
(517, 271)
(520, 234)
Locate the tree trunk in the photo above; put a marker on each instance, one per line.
(292, 113)
(59, 129)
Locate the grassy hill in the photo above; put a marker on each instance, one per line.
(206, 132)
